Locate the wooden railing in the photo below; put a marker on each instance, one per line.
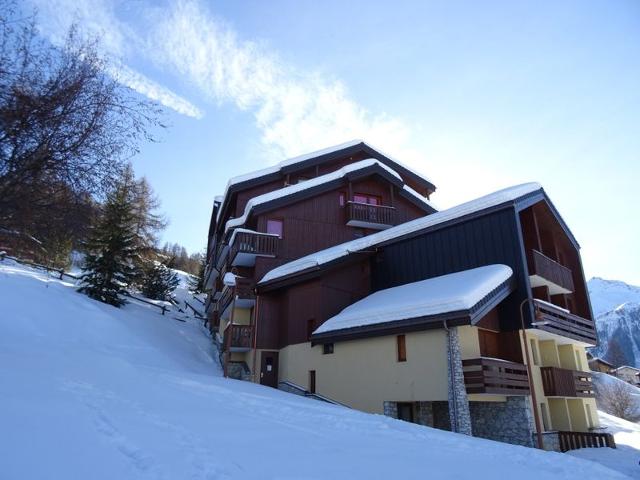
(560, 382)
(238, 336)
(559, 321)
(575, 440)
(370, 214)
(545, 267)
(244, 289)
(254, 243)
(500, 377)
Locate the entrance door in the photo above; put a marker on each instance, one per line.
(269, 369)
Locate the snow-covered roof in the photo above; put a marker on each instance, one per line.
(314, 182)
(324, 256)
(454, 292)
(308, 156)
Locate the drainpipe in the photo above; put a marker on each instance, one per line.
(454, 397)
(256, 311)
(227, 352)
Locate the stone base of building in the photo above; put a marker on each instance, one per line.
(508, 422)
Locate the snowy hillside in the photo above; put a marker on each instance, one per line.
(91, 391)
(616, 306)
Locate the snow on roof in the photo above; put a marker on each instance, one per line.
(229, 279)
(448, 293)
(324, 256)
(308, 156)
(299, 187)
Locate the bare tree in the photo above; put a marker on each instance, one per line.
(615, 354)
(617, 398)
(66, 124)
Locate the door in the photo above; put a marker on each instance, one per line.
(269, 369)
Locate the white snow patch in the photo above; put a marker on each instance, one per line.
(318, 258)
(448, 293)
(91, 391)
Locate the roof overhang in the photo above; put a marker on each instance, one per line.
(407, 325)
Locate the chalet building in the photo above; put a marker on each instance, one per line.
(597, 364)
(631, 375)
(333, 275)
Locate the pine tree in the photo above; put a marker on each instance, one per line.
(113, 249)
(159, 282)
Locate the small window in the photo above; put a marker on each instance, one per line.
(534, 352)
(402, 348)
(311, 326)
(327, 348)
(341, 198)
(275, 227)
(302, 179)
(312, 381)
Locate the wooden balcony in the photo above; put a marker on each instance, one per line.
(377, 217)
(238, 338)
(244, 296)
(576, 440)
(560, 382)
(559, 321)
(547, 272)
(494, 376)
(247, 246)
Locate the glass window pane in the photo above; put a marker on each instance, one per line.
(274, 227)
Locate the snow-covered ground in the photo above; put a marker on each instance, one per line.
(91, 391)
(625, 458)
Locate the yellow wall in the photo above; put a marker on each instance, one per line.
(365, 373)
(569, 414)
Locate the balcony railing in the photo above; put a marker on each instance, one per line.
(575, 440)
(238, 337)
(248, 245)
(551, 271)
(560, 382)
(553, 319)
(494, 376)
(245, 296)
(370, 216)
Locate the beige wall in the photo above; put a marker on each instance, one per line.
(570, 414)
(364, 373)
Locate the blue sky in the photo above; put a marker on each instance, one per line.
(475, 95)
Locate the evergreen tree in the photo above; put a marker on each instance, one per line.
(113, 249)
(159, 281)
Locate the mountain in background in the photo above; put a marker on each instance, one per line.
(616, 306)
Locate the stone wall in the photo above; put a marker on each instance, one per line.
(390, 409)
(550, 441)
(460, 418)
(509, 421)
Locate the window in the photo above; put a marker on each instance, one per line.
(302, 179)
(534, 352)
(368, 199)
(312, 381)
(402, 348)
(341, 198)
(275, 227)
(311, 326)
(327, 348)
(546, 423)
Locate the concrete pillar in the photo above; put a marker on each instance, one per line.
(458, 402)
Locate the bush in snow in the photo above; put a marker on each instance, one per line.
(159, 282)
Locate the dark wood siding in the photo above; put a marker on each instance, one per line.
(486, 240)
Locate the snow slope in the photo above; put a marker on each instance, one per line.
(616, 306)
(89, 391)
(626, 456)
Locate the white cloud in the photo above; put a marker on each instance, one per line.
(117, 39)
(295, 111)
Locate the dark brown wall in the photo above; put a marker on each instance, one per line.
(285, 319)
